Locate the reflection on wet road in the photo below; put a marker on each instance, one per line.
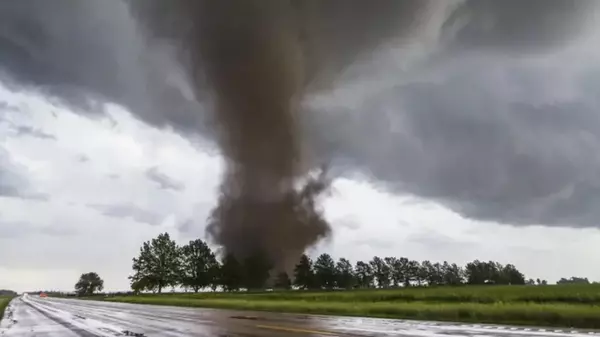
(48, 317)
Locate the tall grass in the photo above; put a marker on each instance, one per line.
(4, 300)
(568, 294)
(565, 305)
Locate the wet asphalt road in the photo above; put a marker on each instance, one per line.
(31, 316)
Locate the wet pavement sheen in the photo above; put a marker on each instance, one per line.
(50, 317)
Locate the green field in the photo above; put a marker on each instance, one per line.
(4, 300)
(566, 306)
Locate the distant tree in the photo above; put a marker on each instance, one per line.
(215, 276)
(344, 274)
(303, 273)
(413, 273)
(512, 275)
(158, 264)
(453, 274)
(88, 284)
(325, 271)
(198, 262)
(364, 275)
(6, 292)
(381, 271)
(256, 271)
(283, 281)
(478, 272)
(232, 274)
(574, 280)
(396, 272)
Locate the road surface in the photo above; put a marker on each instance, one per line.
(30, 316)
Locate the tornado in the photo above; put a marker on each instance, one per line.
(258, 60)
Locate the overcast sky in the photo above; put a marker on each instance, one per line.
(454, 149)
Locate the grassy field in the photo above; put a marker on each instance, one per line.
(566, 306)
(3, 304)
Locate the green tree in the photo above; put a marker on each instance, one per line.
(364, 275)
(512, 275)
(283, 281)
(232, 274)
(256, 271)
(303, 273)
(573, 280)
(453, 274)
(158, 264)
(396, 272)
(325, 271)
(198, 262)
(344, 274)
(88, 284)
(381, 271)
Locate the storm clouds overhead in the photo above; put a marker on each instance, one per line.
(497, 119)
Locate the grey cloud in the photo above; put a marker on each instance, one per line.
(467, 144)
(82, 158)
(90, 53)
(515, 25)
(13, 180)
(128, 211)
(468, 141)
(164, 181)
(23, 130)
(20, 229)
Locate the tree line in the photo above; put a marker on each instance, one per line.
(162, 263)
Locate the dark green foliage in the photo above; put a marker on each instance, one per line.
(303, 273)
(158, 265)
(88, 284)
(198, 264)
(232, 274)
(344, 274)
(256, 271)
(282, 282)
(325, 271)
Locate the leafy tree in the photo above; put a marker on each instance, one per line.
(512, 275)
(158, 264)
(232, 274)
(453, 274)
(344, 274)
(364, 275)
(88, 284)
(413, 273)
(381, 271)
(215, 276)
(283, 281)
(325, 271)
(141, 284)
(198, 262)
(574, 280)
(256, 271)
(303, 273)
(396, 272)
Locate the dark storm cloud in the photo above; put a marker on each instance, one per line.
(463, 141)
(128, 211)
(516, 25)
(164, 181)
(87, 53)
(484, 153)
